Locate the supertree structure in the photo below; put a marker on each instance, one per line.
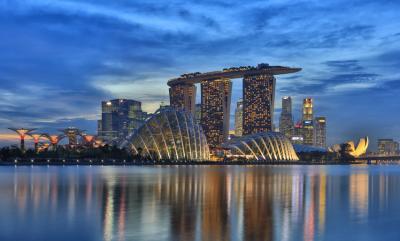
(72, 134)
(36, 137)
(89, 139)
(54, 139)
(22, 132)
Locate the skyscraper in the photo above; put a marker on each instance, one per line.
(297, 137)
(215, 110)
(258, 103)
(120, 117)
(258, 98)
(197, 113)
(239, 118)
(308, 109)
(286, 118)
(307, 122)
(320, 131)
(183, 96)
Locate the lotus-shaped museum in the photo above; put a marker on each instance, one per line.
(170, 134)
(266, 146)
(352, 149)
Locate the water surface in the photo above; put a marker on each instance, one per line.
(200, 203)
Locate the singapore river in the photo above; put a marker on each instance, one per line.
(200, 203)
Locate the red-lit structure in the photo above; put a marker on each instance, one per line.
(36, 138)
(54, 139)
(89, 139)
(22, 132)
(85, 140)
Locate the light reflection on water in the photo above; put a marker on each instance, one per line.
(200, 203)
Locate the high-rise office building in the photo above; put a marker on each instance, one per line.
(183, 96)
(297, 137)
(307, 122)
(286, 118)
(239, 118)
(308, 109)
(215, 110)
(388, 147)
(120, 117)
(258, 103)
(320, 131)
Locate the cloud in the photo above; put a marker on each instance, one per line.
(61, 58)
(345, 65)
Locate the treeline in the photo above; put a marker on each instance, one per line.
(104, 152)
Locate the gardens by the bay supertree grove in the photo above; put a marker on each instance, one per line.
(69, 144)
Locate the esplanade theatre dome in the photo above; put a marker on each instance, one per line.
(266, 146)
(170, 134)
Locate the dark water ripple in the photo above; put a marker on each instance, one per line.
(200, 203)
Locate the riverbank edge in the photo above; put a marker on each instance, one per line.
(161, 163)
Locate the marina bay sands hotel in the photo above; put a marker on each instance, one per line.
(216, 89)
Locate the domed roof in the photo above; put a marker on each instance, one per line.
(172, 135)
(267, 146)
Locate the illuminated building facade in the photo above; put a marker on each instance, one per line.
(267, 146)
(183, 96)
(258, 103)
(120, 117)
(388, 147)
(258, 98)
(215, 110)
(308, 109)
(286, 118)
(320, 131)
(307, 122)
(297, 137)
(170, 134)
(239, 118)
(197, 113)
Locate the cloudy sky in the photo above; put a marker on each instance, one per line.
(59, 59)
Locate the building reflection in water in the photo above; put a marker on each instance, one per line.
(358, 194)
(197, 203)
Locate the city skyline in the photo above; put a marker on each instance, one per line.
(51, 57)
(187, 120)
(216, 92)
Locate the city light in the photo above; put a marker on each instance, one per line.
(185, 120)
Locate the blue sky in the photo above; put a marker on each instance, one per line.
(59, 59)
